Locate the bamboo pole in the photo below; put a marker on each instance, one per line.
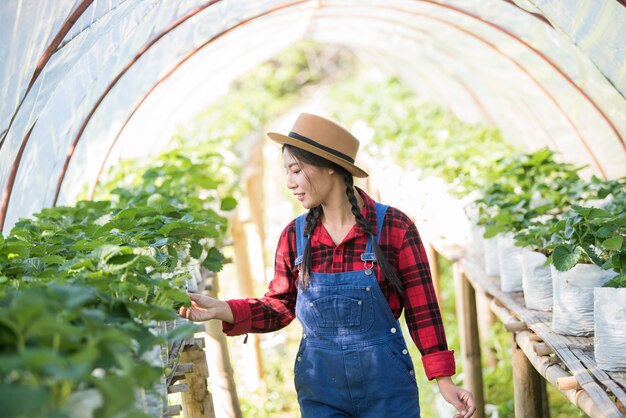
(256, 198)
(253, 357)
(225, 400)
(529, 388)
(470, 342)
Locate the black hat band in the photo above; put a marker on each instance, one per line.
(322, 147)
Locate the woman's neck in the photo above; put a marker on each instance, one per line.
(338, 210)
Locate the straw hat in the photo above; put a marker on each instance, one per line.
(325, 138)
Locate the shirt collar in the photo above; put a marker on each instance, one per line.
(320, 235)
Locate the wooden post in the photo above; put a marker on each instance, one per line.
(529, 388)
(246, 287)
(225, 400)
(470, 341)
(486, 319)
(196, 399)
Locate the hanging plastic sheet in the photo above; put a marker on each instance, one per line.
(126, 72)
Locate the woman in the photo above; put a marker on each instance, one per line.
(346, 269)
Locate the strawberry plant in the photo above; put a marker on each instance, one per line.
(591, 235)
(531, 188)
(84, 288)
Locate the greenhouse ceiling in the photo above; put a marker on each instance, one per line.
(84, 82)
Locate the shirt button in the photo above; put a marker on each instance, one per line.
(393, 330)
(304, 337)
(412, 373)
(405, 351)
(360, 302)
(300, 359)
(311, 304)
(367, 289)
(338, 251)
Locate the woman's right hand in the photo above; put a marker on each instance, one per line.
(204, 308)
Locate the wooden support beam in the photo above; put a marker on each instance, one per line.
(197, 400)
(181, 387)
(172, 410)
(470, 341)
(543, 349)
(225, 397)
(568, 383)
(515, 326)
(529, 387)
(183, 368)
(552, 372)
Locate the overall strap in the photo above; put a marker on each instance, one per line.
(301, 240)
(369, 255)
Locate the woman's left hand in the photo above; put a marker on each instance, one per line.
(461, 399)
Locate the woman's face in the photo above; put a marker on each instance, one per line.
(311, 185)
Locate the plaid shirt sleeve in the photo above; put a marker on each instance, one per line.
(401, 244)
(422, 313)
(277, 308)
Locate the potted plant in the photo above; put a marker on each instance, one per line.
(587, 246)
(610, 300)
(533, 187)
(536, 275)
(609, 316)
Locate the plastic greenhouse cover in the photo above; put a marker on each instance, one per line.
(127, 72)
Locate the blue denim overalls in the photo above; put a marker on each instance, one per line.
(352, 360)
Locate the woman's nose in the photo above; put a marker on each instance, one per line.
(290, 183)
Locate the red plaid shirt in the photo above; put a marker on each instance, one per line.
(402, 246)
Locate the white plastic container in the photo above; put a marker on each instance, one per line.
(478, 242)
(492, 265)
(510, 262)
(536, 281)
(572, 312)
(610, 332)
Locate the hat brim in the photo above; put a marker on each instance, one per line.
(284, 139)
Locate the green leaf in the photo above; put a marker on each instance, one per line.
(177, 295)
(22, 401)
(53, 259)
(618, 281)
(181, 332)
(116, 394)
(565, 258)
(228, 203)
(161, 313)
(195, 250)
(214, 260)
(614, 244)
(160, 242)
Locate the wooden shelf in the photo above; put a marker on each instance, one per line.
(598, 393)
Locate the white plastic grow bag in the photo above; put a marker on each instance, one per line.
(610, 332)
(572, 312)
(510, 262)
(492, 266)
(478, 242)
(536, 281)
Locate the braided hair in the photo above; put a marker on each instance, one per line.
(314, 216)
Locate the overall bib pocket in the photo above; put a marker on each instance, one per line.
(334, 314)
